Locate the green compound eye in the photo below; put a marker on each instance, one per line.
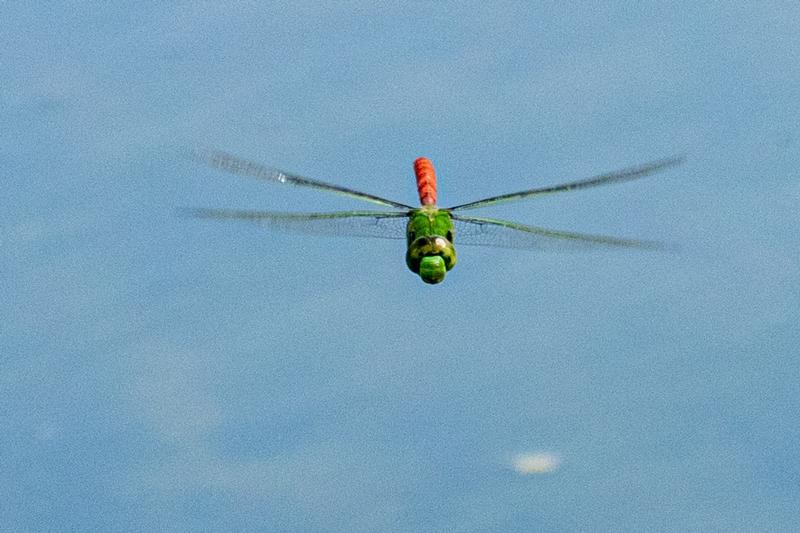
(432, 269)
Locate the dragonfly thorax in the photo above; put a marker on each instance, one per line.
(430, 244)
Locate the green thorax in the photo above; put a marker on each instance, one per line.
(430, 243)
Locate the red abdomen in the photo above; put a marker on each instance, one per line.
(426, 180)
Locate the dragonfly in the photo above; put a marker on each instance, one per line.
(430, 231)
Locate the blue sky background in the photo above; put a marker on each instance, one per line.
(159, 373)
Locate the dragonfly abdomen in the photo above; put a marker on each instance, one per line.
(426, 180)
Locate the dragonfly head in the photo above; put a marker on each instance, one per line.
(431, 256)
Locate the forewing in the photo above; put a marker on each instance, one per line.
(477, 231)
(236, 165)
(376, 224)
(626, 174)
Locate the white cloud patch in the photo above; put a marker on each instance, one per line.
(536, 463)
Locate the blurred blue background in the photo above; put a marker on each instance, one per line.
(159, 373)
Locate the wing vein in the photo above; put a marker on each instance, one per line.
(626, 174)
(235, 165)
(376, 224)
(479, 231)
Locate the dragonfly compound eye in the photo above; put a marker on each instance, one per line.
(431, 256)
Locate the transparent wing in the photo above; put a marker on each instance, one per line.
(377, 224)
(477, 231)
(626, 174)
(235, 165)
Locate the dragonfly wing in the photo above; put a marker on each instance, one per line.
(377, 224)
(478, 231)
(236, 165)
(626, 174)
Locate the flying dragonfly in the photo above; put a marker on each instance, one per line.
(430, 231)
